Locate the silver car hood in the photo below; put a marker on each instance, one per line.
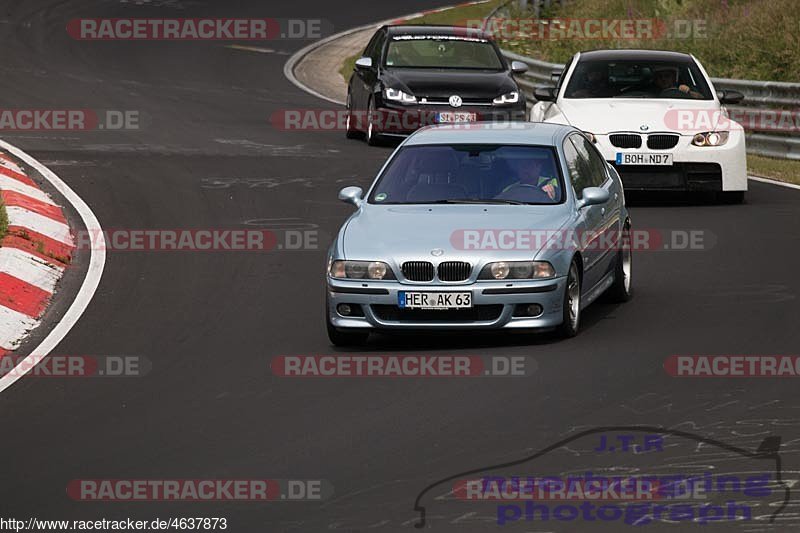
(400, 233)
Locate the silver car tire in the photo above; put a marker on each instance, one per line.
(572, 303)
(622, 289)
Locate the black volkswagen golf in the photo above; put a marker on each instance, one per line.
(413, 76)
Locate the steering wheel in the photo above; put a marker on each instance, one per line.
(672, 92)
(633, 90)
(526, 189)
(630, 88)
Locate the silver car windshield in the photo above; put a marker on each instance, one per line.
(491, 174)
(637, 79)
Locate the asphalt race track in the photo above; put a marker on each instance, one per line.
(207, 156)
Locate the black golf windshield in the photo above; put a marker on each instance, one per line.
(443, 174)
(638, 79)
(450, 52)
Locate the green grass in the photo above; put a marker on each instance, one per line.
(746, 39)
(778, 169)
(454, 16)
(3, 221)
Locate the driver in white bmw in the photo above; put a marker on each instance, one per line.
(666, 79)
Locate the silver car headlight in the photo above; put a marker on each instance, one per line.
(710, 138)
(360, 270)
(508, 98)
(396, 95)
(518, 270)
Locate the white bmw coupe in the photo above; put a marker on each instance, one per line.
(655, 116)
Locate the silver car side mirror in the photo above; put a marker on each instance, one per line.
(364, 63)
(518, 67)
(593, 196)
(352, 195)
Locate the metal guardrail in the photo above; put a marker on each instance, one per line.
(772, 146)
(756, 94)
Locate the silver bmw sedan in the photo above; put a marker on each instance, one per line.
(480, 226)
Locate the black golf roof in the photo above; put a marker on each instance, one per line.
(423, 29)
(634, 55)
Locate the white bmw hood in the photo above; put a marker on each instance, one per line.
(605, 115)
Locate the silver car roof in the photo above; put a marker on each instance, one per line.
(533, 133)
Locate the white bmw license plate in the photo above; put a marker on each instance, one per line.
(434, 300)
(644, 159)
(457, 116)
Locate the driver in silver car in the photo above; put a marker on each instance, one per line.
(529, 173)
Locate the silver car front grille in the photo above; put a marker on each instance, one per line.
(418, 270)
(454, 271)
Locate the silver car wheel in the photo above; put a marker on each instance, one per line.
(574, 296)
(627, 262)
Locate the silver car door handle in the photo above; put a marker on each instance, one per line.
(603, 211)
(616, 196)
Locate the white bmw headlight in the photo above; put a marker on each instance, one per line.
(360, 270)
(710, 138)
(396, 95)
(508, 98)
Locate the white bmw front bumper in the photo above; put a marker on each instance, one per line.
(709, 168)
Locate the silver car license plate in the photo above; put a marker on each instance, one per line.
(434, 300)
(634, 158)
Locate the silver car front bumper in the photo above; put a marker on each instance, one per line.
(494, 305)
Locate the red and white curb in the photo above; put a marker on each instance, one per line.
(33, 255)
